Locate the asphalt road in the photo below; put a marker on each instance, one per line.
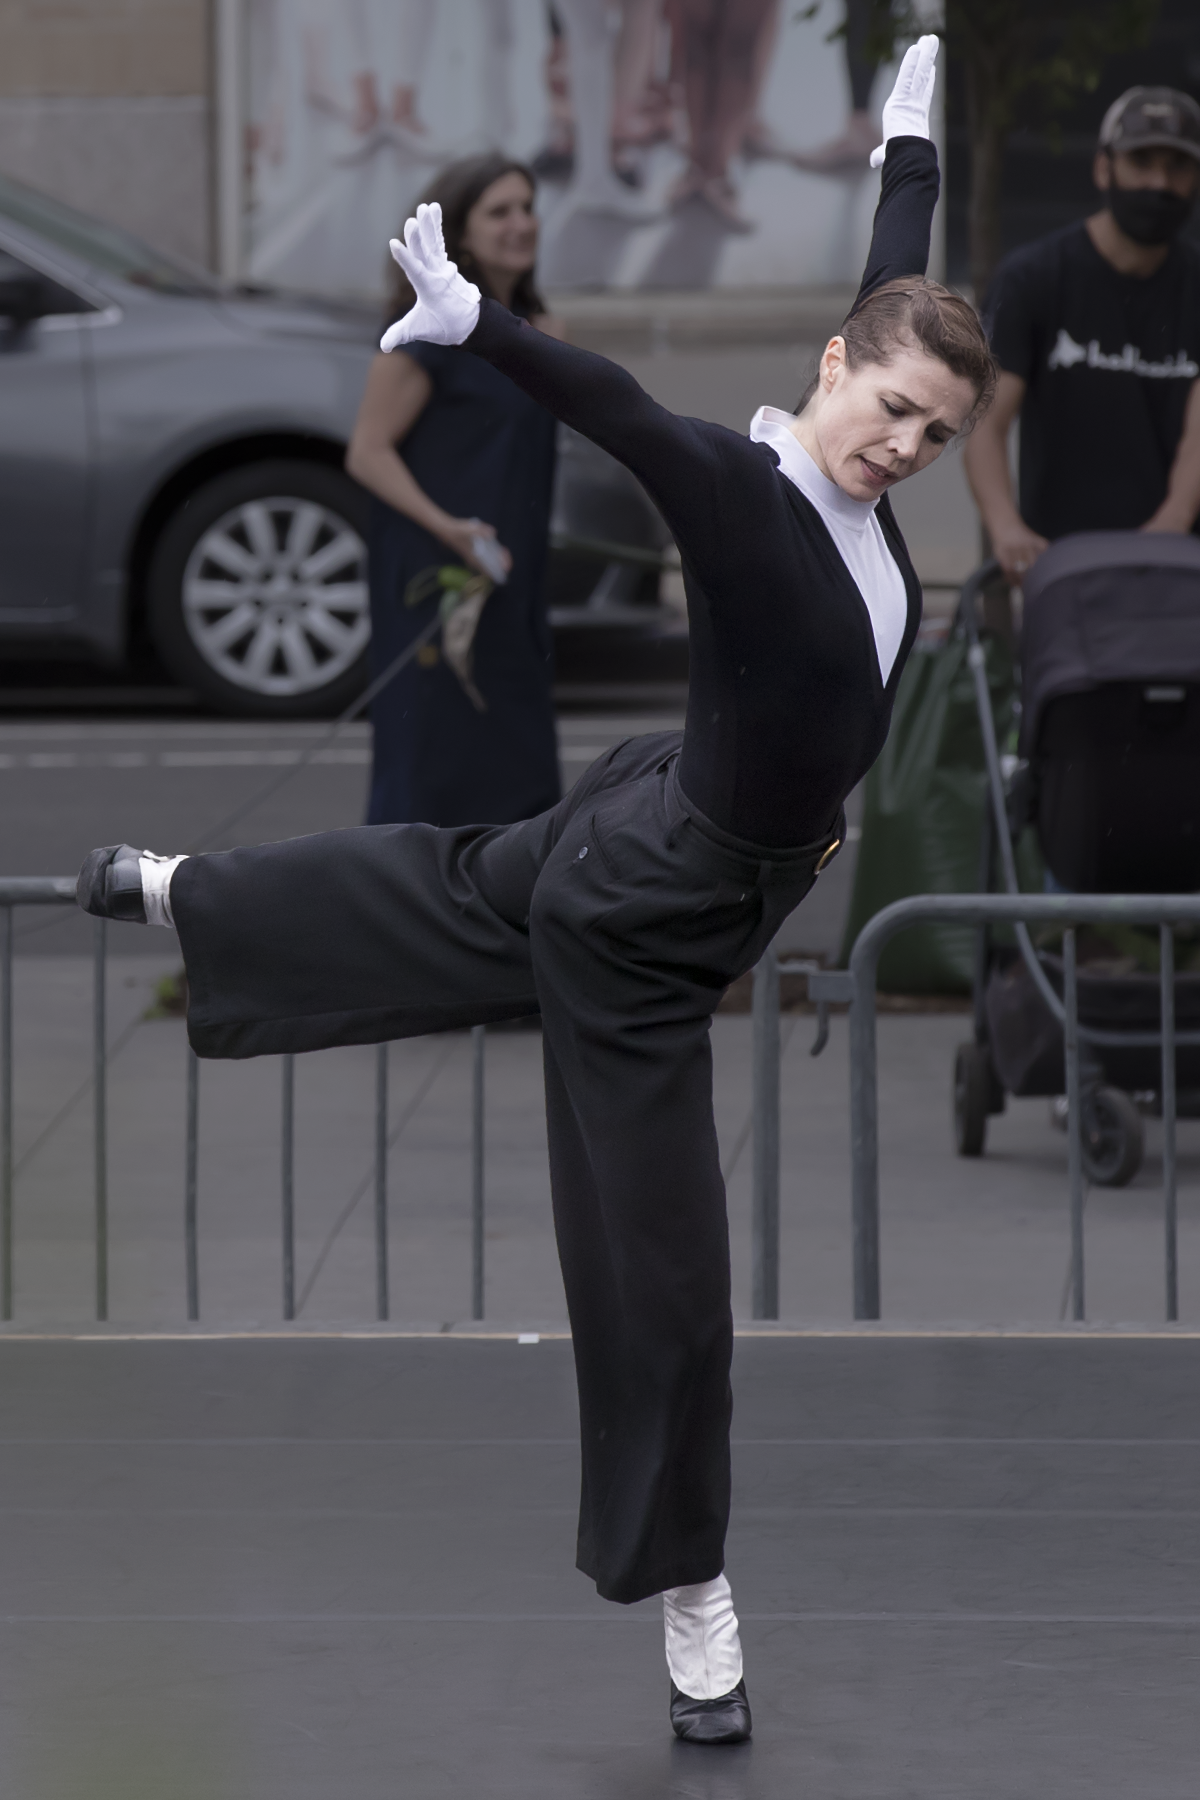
(169, 784)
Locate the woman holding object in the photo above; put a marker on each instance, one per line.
(461, 464)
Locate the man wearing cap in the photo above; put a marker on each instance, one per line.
(1097, 332)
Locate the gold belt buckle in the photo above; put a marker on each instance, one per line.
(828, 855)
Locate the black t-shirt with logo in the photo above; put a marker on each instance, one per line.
(1109, 361)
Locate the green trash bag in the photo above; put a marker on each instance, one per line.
(923, 813)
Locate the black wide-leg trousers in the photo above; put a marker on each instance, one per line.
(622, 915)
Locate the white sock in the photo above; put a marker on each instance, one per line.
(156, 885)
(704, 1652)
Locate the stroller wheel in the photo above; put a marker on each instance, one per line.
(973, 1085)
(1113, 1137)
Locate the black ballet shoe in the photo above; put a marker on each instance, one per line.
(110, 884)
(725, 1720)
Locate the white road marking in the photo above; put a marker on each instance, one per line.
(258, 759)
(350, 756)
(354, 755)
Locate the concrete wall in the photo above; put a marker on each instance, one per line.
(105, 103)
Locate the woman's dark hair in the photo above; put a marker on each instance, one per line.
(915, 313)
(457, 188)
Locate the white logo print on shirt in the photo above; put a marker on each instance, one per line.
(1129, 361)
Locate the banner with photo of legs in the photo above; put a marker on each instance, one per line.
(682, 144)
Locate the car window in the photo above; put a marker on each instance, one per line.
(51, 297)
(105, 248)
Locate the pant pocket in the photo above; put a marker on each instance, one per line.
(603, 848)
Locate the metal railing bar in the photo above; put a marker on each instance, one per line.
(381, 1181)
(37, 890)
(100, 1108)
(1074, 1120)
(478, 1050)
(1167, 1011)
(6, 1113)
(190, 1185)
(1037, 909)
(864, 1130)
(764, 1189)
(287, 1183)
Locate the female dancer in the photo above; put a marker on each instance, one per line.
(439, 437)
(625, 912)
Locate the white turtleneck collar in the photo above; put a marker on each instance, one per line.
(854, 529)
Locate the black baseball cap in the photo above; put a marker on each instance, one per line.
(1146, 118)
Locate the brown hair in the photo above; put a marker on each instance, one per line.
(913, 312)
(457, 189)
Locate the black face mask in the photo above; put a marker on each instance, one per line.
(1148, 215)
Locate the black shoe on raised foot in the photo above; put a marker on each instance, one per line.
(110, 884)
(725, 1720)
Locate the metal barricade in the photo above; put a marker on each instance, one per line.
(855, 986)
(59, 891)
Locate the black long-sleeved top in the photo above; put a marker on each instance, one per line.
(787, 709)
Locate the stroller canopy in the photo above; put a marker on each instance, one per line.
(1108, 606)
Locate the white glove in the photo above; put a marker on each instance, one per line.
(447, 309)
(906, 109)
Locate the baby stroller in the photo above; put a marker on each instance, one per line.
(1107, 772)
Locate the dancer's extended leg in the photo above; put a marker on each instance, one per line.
(356, 936)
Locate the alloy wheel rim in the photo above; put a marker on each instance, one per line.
(275, 596)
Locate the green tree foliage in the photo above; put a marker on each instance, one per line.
(1022, 61)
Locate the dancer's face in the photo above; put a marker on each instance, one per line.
(502, 229)
(882, 422)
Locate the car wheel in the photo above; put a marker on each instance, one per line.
(1113, 1137)
(257, 591)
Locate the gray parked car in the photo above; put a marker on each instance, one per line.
(170, 460)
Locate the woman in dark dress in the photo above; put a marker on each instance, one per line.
(455, 452)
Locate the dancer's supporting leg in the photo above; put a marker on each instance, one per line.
(640, 918)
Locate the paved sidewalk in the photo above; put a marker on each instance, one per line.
(968, 1241)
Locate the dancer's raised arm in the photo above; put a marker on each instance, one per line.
(673, 457)
(900, 240)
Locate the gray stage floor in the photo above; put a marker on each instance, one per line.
(334, 1569)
